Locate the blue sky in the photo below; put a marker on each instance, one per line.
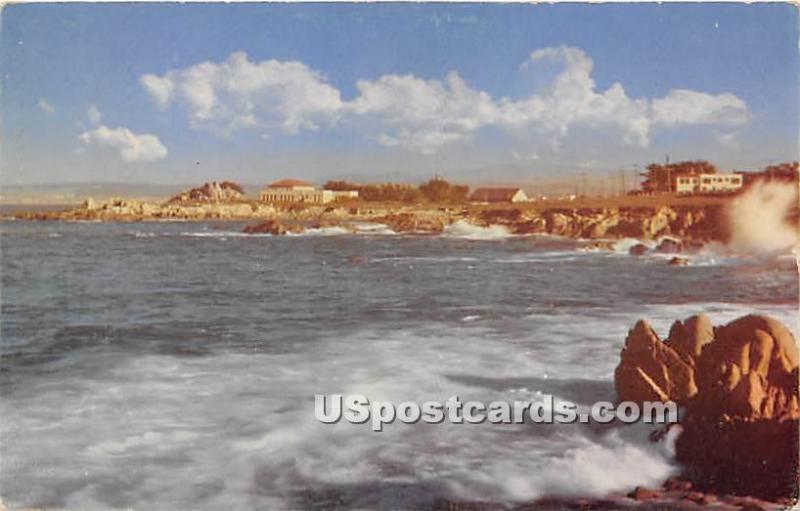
(486, 92)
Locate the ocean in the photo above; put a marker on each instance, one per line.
(173, 366)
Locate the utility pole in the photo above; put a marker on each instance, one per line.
(622, 182)
(669, 176)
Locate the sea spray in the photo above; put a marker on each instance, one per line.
(760, 219)
(463, 229)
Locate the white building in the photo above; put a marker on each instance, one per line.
(292, 191)
(708, 183)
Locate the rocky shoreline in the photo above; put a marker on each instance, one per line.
(692, 224)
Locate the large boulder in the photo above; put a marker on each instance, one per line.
(273, 227)
(740, 390)
(688, 337)
(749, 371)
(651, 370)
(669, 246)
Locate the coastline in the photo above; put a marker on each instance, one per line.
(696, 222)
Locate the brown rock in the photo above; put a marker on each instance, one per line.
(412, 223)
(642, 493)
(749, 371)
(669, 246)
(688, 337)
(651, 370)
(679, 261)
(638, 250)
(677, 484)
(740, 431)
(273, 227)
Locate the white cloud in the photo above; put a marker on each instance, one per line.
(94, 114)
(682, 106)
(132, 147)
(423, 114)
(238, 93)
(572, 100)
(45, 106)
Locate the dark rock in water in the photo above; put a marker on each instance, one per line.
(669, 246)
(739, 383)
(273, 227)
(642, 493)
(638, 250)
(534, 226)
(679, 261)
(741, 457)
(677, 484)
(357, 259)
(600, 245)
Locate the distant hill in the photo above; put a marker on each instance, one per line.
(73, 193)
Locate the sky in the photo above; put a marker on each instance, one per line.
(482, 93)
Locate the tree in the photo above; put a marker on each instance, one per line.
(661, 178)
(340, 186)
(439, 190)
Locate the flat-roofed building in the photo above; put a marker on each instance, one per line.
(708, 183)
(292, 191)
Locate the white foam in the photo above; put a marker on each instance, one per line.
(465, 230)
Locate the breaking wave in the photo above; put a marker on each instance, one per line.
(466, 230)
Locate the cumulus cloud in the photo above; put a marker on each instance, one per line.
(426, 114)
(45, 106)
(682, 106)
(572, 100)
(132, 147)
(238, 93)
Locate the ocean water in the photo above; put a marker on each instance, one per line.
(173, 366)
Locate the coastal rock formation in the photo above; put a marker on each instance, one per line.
(651, 370)
(739, 384)
(273, 227)
(410, 223)
(669, 246)
(638, 250)
(213, 191)
(679, 261)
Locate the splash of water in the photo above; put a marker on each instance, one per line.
(463, 229)
(760, 218)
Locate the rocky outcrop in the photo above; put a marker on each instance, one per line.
(638, 250)
(130, 210)
(213, 191)
(688, 226)
(273, 227)
(679, 261)
(651, 370)
(412, 223)
(739, 386)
